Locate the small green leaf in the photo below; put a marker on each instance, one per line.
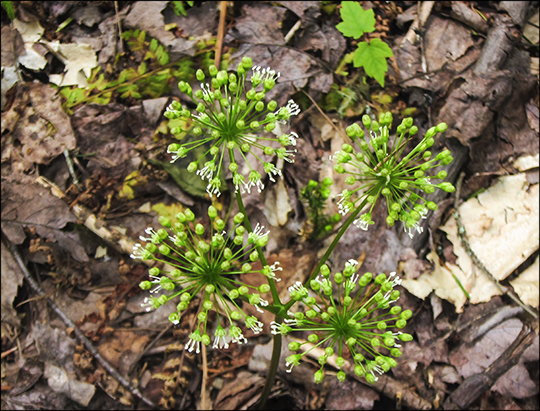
(356, 20)
(372, 56)
(142, 68)
(153, 45)
(8, 6)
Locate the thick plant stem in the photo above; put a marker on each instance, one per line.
(271, 282)
(272, 370)
(276, 350)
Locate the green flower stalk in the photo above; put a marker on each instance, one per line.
(342, 319)
(208, 264)
(230, 118)
(382, 168)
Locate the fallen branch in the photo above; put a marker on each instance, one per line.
(475, 385)
(70, 324)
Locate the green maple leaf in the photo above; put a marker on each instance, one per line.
(356, 20)
(372, 56)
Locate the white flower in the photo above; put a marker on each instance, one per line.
(208, 96)
(239, 182)
(180, 153)
(139, 252)
(409, 230)
(213, 187)
(194, 342)
(270, 169)
(276, 328)
(363, 222)
(292, 360)
(150, 303)
(257, 234)
(254, 179)
(236, 334)
(299, 287)
(207, 171)
(220, 338)
(342, 207)
(255, 325)
(287, 155)
(154, 237)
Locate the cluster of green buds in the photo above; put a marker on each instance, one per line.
(207, 264)
(355, 316)
(315, 196)
(381, 168)
(230, 118)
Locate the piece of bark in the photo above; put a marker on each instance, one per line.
(461, 12)
(475, 385)
(501, 38)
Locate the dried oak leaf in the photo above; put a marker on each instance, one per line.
(30, 204)
(44, 129)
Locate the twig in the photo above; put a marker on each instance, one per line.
(88, 345)
(322, 112)
(221, 33)
(293, 30)
(423, 12)
(71, 169)
(475, 385)
(121, 44)
(113, 237)
(204, 406)
(462, 234)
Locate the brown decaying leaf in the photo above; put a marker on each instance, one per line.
(40, 125)
(31, 204)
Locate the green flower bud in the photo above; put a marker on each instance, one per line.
(405, 337)
(247, 62)
(165, 250)
(145, 285)
(294, 346)
(401, 323)
(366, 121)
(272, 106)
(341, 376)
(311, 314)
(219, 224)
(313, 338)
(318, 376)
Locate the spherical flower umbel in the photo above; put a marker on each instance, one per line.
(380, 169)
(361, 320)
(231, 118)
(208, 264)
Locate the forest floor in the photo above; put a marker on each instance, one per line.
(85, 171)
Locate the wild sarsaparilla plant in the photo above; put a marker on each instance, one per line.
(346, 314)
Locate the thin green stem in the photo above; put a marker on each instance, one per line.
(340, 233)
